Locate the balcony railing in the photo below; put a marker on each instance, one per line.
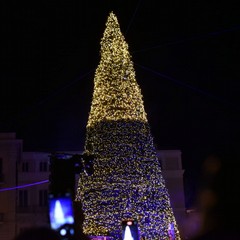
(31, 209)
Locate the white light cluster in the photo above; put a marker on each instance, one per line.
(127, 182)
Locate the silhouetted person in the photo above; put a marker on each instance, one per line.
(218, 202)
(45, 233)
(38, 233)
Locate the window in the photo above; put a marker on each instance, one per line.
(23, 198)
(23, 229)
(1, 217)
(43, 166)
(1, 166)
(1, 170)
(43, 198)
(25, 167)
(171, 163)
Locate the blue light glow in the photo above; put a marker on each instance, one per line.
(24, 186)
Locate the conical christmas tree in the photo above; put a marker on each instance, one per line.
(127, 182)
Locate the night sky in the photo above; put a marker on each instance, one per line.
(186, 57)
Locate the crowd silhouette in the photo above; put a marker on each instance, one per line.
(217, 201)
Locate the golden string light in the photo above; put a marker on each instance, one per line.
(127, 182)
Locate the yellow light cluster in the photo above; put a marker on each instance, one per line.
(116, 93)
(127, 182)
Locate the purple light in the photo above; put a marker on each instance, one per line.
(24, 186)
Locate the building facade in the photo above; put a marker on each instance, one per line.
(24, 186)
(10, 155)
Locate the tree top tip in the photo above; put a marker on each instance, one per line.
(112, 14)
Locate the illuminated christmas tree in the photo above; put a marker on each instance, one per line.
(127, 182)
